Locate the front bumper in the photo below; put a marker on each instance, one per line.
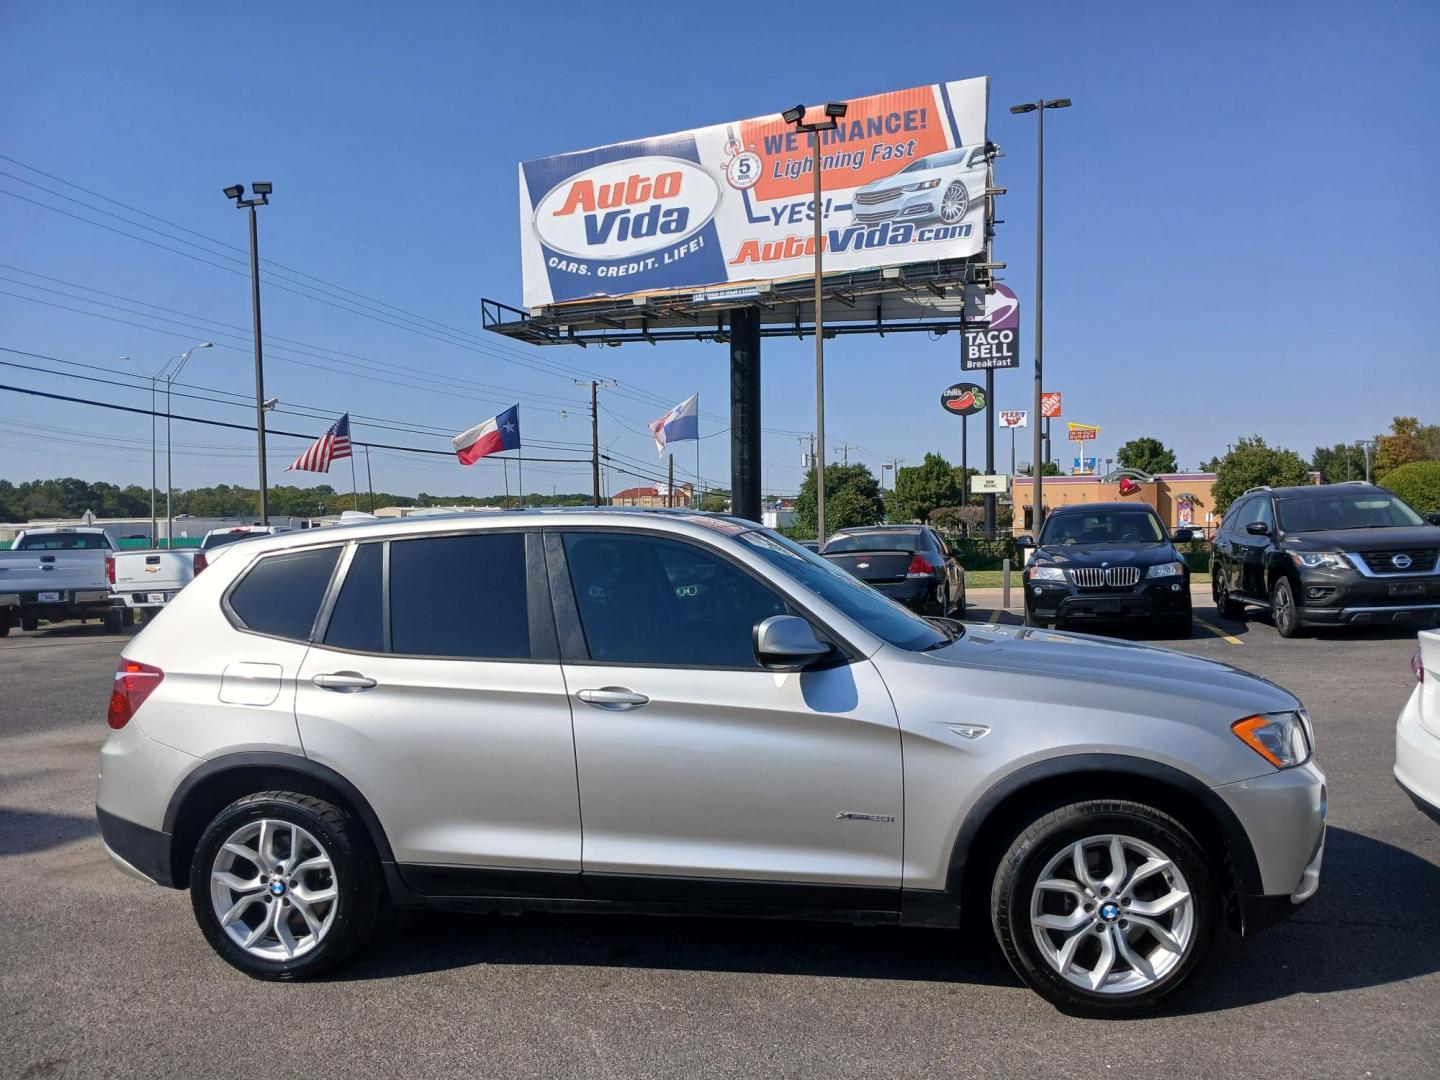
(909, 206)
(1345, 597)
(1417, 758)
(1160, 598)
(1283, 814)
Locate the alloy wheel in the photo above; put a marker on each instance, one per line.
(273, 889)
(1284, 608)
(954, 203)
(1112, 914)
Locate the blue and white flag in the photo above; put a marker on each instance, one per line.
(681, 422)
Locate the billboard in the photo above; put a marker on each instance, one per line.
(996, 342)
(1050, 405)
(1013, 418)
(1082, 432)
(903, 180)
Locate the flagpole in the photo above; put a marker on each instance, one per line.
(670, 486)
(505, 465)
(369, 481)
(354, 485)
(695, 491)
(520, 468)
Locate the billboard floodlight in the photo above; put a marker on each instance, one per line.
(836, 109)
(1058, 103)
(264, 187)
(235, 191)
(791, 116)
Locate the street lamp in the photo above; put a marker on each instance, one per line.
(153, 479)
(170, 372)
(834, 112)
(261, 190)
(1039, 107)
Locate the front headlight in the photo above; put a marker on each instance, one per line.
(925, 185)
(1277, 737)
(1044, 573)
(1312, 560)
(1169, 569)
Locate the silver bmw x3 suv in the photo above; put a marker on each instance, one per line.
(679, 713)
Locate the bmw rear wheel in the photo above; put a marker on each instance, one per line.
(284, 885)
(1106, 907)
(954, 203)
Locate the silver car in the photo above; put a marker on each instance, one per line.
(939, 187)
(674, 712)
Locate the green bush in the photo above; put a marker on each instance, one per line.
(1418, 483)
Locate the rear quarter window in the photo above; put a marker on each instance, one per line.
(280, 595)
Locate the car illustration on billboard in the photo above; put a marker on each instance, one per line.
(936, 187)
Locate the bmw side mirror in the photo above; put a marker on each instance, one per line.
(1434, 518)
(1258, 528)
(1183, 536)
(787, 643)
(1023, 542)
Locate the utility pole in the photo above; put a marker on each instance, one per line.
(261, 190)
(595, 385)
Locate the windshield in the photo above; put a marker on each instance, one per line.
(882, 617)
(1344, 510)
(890, 540)
(1103, 527)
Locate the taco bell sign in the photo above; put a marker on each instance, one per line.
(994, 342)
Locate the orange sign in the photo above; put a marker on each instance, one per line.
(1050, 405)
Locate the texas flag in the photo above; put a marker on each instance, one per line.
(494, 435)
(681, 422)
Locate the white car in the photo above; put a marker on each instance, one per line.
(939, 187)
(1417, 732)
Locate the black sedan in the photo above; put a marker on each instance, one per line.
(1102, 561)
(908, 563)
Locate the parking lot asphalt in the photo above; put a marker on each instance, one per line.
(104, 975)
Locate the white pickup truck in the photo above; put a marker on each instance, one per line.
(148, 579)
(58, 574)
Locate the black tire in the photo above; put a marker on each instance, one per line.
(1283, 609)
(1050, 835)
(29, 623)
(356, 878)
(1220, 593)
(127, 616)
(4, 625)
(113, 621)
(1031, 620)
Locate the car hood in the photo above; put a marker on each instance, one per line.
(1126, 669)
(1386, 539)
(1073, 555)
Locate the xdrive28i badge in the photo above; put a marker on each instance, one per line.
(627, 207)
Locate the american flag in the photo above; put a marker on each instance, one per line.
(331, 446)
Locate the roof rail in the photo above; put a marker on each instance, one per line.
(1262, 487)
(1365, 483)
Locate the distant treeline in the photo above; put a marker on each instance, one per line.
(70, 497)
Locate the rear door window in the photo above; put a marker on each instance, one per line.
(280, 595)
(357, 621)
(460, 596)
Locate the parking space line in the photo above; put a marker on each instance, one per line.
(1231, 638)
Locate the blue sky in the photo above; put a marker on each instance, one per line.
(1240, 232)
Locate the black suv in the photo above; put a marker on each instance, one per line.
(1107, 561)
(1326, 555)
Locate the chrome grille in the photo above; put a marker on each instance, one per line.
(1421, 560)
(865, 198)
(875, 215)
(1095, 577)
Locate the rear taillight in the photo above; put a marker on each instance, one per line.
(1417, 665)
(134, 682)
(200, 562)
(110, 569)
(919, 567)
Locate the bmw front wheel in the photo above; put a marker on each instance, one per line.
(284, 885)
(1106, 908)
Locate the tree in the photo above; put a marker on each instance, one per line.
(1049, 469)
(1343, 461)
(920, 489)
(1400, 447)
(852, 497)
(1147, 454)
(1254, 463)
(715, 503)
(1418, 483)
(958, 518)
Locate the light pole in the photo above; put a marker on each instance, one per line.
(153, 478)
(261, 190)
(170, 374)
(1366, 445)
(1039, 107)
(834, 111)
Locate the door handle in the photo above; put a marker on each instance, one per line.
(344, 682)
(614, 698)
